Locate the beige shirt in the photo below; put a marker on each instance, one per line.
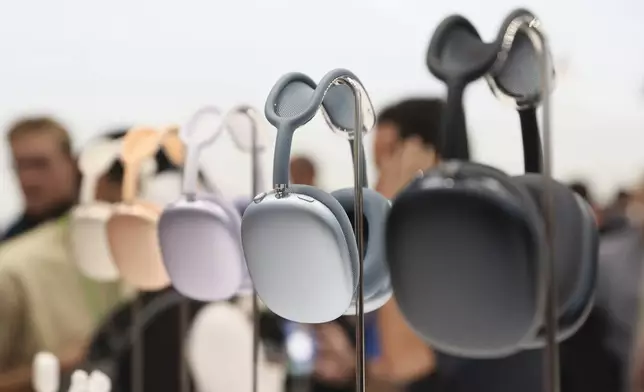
(45, 303)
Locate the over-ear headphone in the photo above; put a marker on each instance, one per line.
(221, 337)
(200, 234)
(132, 228)
(467, 244)
(516, 78)
(298, 240)
(89, 245)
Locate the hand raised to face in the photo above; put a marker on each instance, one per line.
(398, 168)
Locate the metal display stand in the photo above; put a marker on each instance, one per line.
(249, 112)
(531, 26)
(361, 382)
(255, 191)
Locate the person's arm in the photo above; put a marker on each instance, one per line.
(404, 357)
(12, 325)
(12, 319)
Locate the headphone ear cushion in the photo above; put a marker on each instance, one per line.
(241, 203)
(201, 247)
(575, 246)
(375, 210)
(316, 279)
(343, 219)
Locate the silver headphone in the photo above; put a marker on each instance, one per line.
(298, 240)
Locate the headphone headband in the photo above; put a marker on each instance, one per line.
(251, 114)
(294, 101)
(255, 148)
(519, 83)
(173, 146)
(139, 145)
(194, 143)
(94, 161)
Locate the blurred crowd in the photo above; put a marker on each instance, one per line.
(47, 304)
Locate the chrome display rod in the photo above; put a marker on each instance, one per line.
(255, 191)
(551, 371)
(249, 112)
(361, 375)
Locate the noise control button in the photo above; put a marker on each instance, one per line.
(306, 198)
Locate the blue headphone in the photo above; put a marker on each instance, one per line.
(299, 240)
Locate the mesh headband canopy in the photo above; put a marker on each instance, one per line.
(294, 101)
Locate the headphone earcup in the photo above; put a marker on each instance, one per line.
(235, 211)
(301, 254)
(575, 236)
(377, 281)
(200, 242)
(343, 220)
(88, 241)
(132, 234)
(466, 259)
(221, 337)
(246, 288)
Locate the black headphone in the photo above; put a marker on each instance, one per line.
(467, 244)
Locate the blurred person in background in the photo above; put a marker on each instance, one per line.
(405, 142)
(588, 363)
(303, 171)
(43, 161)
(635, 207)
(46, 304)
(615, 215)
(608, 219)
(620, 202)
(582, 189)
(619, 292)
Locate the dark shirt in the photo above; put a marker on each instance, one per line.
(519, 372)
(586, 364)
(618, 293)
(321, 386)
(613, 223)
(160, 341)
(272, 332)
(26, 223)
